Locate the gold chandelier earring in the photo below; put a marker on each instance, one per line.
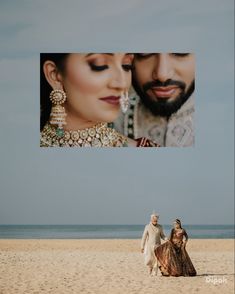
(57, 116)
(124, 101)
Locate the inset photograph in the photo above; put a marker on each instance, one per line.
(117, 99)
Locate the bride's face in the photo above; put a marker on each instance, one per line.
(93, 84)
(176, 225)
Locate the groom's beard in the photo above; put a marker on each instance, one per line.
(163, 107)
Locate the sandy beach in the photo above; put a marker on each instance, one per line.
(108, 266)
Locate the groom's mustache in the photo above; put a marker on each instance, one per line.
(157, 83)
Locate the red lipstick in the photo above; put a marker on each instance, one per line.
(114, 100)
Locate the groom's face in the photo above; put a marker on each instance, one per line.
(154, 220)
(164, 81)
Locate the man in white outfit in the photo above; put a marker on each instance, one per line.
(162, 101)
(153, 233)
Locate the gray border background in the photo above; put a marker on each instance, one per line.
(116, 186)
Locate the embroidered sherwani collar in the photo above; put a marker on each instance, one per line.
(178, 130)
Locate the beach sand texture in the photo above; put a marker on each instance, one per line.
(108, 266)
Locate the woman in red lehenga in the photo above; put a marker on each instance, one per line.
(172, 256)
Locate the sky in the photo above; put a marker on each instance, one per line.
(120, 185)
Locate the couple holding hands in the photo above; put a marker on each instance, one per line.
(171, 257)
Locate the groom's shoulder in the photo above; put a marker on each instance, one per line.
(146, 226)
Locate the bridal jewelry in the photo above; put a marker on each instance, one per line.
(130, 118)
(97, 136)
(57, 116)
(124, 101)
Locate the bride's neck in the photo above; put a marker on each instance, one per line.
(74, 122)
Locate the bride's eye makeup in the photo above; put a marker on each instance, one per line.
(101, 64)
(126, 67)
(97, 67)
(97, 62)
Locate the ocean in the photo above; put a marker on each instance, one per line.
(107, 231)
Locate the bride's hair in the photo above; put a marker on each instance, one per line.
(178, 222)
